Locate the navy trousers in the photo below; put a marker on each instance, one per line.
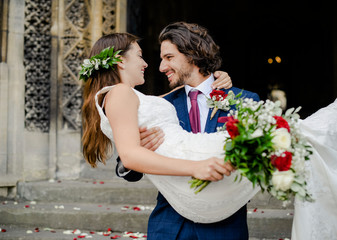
(166, 223)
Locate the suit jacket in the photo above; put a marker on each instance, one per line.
(165, 222)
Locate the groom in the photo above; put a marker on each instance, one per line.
(189, 56)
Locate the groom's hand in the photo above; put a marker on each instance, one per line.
(223, 80)
(151, 138)
(212, 169)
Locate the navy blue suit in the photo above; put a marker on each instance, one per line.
(166, 223)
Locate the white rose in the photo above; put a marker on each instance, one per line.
(257, 133)
(282, 180)
(281, 139)
(87, 63)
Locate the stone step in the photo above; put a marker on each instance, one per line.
(21, 233)
(26, 233)
(263, 223)
(75, 215)
(112, 191)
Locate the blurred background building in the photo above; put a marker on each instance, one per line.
(279, 49)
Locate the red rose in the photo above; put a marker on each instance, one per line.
(281, 123)
(218, 94)
(282, 163)
(232, 128)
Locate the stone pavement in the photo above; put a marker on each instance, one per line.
(89, 208)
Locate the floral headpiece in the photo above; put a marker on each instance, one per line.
(107, 58)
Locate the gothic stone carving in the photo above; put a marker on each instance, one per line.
(109, 16)
(37, 59)
(76, 46)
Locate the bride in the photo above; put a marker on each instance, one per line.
(113, 111)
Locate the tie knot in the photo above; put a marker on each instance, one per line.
(193, 94)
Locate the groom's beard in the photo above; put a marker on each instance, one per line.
(183, 76)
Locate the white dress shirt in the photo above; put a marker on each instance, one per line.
(205, 89)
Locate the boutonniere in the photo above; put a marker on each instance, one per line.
(220, 100)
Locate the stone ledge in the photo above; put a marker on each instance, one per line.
(8, 180)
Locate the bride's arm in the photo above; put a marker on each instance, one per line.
(153, 137)
(122, 109)
(222, 80)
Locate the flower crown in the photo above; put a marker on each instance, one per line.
(107, 58)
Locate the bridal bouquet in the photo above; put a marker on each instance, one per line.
(267, 148)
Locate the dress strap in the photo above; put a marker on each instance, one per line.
(102, 91)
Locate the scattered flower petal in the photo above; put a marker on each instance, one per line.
(115, 237)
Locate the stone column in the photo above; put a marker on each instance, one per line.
(96, 20)
(16, 88)
(3, 88)
(121, 15)
(54, 31)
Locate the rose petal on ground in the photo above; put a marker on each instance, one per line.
(115, 237)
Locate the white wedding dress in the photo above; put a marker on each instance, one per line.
(218, 200)
(318, 220)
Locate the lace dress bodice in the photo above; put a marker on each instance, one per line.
(216, 202)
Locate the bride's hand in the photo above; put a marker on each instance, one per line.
(222, 80)
(212, 169)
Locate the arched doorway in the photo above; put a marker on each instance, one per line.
(250, 33)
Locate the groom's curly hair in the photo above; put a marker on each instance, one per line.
(195, 43)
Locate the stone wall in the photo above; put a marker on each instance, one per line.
(43, 43)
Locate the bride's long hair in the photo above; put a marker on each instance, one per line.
(96, 145)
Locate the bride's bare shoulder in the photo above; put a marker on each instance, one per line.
(121, 92)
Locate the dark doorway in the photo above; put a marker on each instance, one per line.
(296, 38)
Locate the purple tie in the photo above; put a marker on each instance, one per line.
(194, 112)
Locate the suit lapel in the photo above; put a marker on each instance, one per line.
(212, 124)
(181, 107)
